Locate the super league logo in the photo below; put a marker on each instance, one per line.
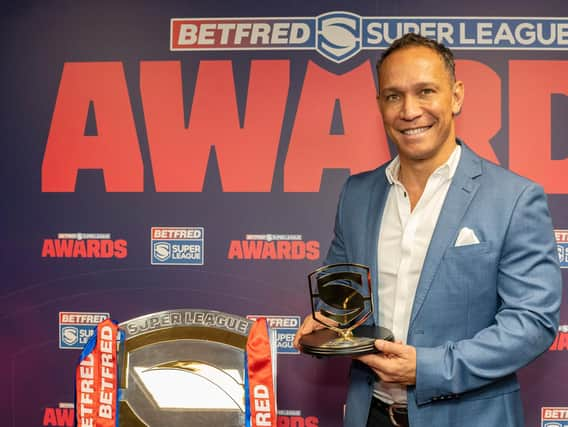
(339, 35)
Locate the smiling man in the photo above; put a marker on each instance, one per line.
(462, 256)
(418, 99)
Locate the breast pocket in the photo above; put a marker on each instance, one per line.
(467, 278)
(471, 263)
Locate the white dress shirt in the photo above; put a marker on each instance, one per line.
(403, 242)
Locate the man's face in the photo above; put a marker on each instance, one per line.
(417, 100)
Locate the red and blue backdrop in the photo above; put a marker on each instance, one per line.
(189, 154)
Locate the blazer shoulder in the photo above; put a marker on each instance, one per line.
(507, 179)
(498, 176)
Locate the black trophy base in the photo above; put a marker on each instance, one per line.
(326, 342)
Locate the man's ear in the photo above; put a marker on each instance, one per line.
(457, 97)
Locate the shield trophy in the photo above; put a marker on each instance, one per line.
(183, 367)
(342, 294)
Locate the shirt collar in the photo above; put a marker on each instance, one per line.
(446, 170)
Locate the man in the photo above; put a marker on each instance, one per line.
(462, 258)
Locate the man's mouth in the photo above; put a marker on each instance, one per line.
(415, 131)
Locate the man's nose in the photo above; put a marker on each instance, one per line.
(410, 108)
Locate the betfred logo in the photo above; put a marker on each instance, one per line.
(177, 246)
(294, 418)
(285, 328)
(76, 328)
(561, 341)
(335, 35)
(554, 416)
(84, 245)
(339, 35)
(62, 416)
(562, 245)
(274, 247)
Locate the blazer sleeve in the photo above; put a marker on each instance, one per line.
(529, 287)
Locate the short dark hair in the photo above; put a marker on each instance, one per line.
(413, 40)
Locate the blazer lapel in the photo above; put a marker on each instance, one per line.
(378, 197)
(461, 192)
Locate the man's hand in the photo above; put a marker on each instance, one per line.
(307, 327)
(396, 362)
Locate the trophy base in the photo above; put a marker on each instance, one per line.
(326, 342)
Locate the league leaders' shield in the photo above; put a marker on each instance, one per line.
(183, 367)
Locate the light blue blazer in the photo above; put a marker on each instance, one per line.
(481, 311)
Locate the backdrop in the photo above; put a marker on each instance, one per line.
(189, 154)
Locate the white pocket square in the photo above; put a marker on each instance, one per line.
(466, 237)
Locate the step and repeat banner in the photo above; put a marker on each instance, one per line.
(163, 155)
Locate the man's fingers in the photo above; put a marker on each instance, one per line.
(367, 359)
(395, 362)
(388, 347)
(308, 326)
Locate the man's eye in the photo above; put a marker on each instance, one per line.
(392, 97)
(427, 91)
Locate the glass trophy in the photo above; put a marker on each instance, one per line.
(342, 294)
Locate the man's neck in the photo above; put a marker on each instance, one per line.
(414, 174)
